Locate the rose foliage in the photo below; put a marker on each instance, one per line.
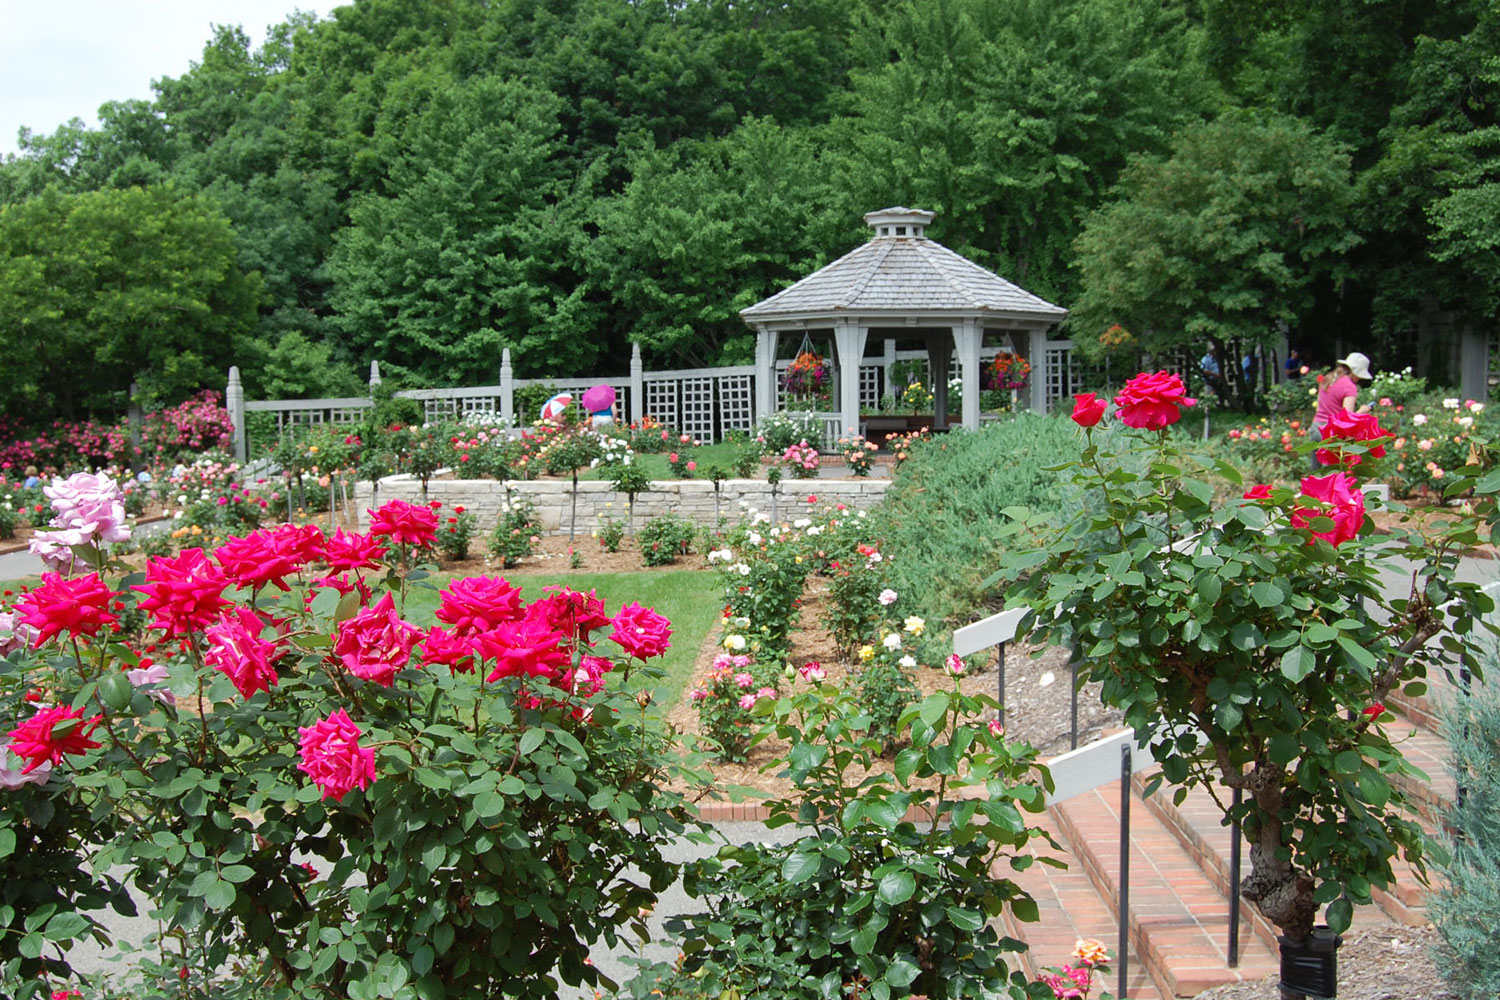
(1245, 639)
(304, 788)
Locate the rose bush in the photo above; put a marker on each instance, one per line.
(1245, 639)
(482, 803)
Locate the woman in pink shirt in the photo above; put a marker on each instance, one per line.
(1339, 392)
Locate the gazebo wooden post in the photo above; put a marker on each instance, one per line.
(765, 367)
(967, 337)
(939, 355)
(849, 340)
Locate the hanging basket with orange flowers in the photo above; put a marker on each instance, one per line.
(1007, 371)
(806, 375)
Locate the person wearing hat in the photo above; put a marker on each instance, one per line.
(1340, 389)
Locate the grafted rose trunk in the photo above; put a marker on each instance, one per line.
(1279, 891)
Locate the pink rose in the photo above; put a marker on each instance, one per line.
(747, 701)
(1345, 506)
(641, 632)
(404, 523)
(1346, 426)
(333, 758)
(479, 603)
(743, 680)
(235, 649)
(183, 593)
(1153, 402)
(527, 648)
(376, 643)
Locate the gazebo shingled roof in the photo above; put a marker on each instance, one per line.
(900, 278)
(901, 274)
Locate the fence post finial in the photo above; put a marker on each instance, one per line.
(374, 374)
(234, 402)
(637, 385)
(507, 389)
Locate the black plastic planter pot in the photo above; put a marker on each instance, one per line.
(1310, 966)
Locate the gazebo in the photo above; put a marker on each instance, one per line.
(900, 285)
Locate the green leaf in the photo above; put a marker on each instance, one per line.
(1266, 594)
(65, 926)
(800, 866)
(1297, 663)
(220, 895)
(896, 887)
(1025, 910)
(901, 973)
(965, 920)
(907, 762)
(934, 707)
(1374, 788)
(531, 739)
(236, 873)
(1339, 913)
(115, 688)
(7, 843)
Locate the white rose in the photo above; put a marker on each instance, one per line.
(892, 642)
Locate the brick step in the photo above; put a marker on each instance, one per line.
(1178, 918)
(1425, 748)
(1197, 825)
(1071, 909)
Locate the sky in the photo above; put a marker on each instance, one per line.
(64, 58)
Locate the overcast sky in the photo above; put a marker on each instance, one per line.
(62, 59)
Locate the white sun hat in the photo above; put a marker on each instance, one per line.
(1358, 364)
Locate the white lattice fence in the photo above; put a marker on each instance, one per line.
(702, 403)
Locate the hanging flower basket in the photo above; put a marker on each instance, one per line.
(1007, 371)
(806, 375)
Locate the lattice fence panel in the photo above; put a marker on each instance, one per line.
(697, 409)
(661, 401)
(1057, 375)
(439, 409)
(348, 416)
(736, 403)
(869, 385)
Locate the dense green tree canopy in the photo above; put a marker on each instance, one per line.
(1218, 242)
(423, 182)
(102, 289)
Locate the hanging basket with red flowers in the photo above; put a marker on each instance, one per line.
(806, 375)
(1007, 371)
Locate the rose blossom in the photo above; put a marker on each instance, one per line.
(813, 672)
(12, 776)
(90, 507)
(333, 758)
(453, 652)
(38, 741)
(13, 634)
(887, 597)
(527, 648)
(347, 550)
(641, 632)
(1346, 426)
(478, 603)
(183, 593)
(148, 672)
(572, 613)
(743, 680)
(78, 607)
(376, 643)
(1260, 491)
(1088, 409)
(404, 523)
(997, 728)
(235, 649)
(1340, 492)
(258, 559)
(1152, 402)
(747, 701)
(954, 665)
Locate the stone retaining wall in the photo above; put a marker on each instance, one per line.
(692, 498)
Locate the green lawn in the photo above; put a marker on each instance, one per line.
(690, 599)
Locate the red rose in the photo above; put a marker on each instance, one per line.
(1346, 426)
(405, 523)
(1088, 409)
(1152, 402)
(1258, 492)
(1345, 506)
(641, 632)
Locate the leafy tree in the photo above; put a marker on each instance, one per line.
(704, 230)
(111, 287)
(475, 250)
(1012, 119)
(1217, 242)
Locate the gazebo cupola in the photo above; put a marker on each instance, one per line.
(900, 285)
